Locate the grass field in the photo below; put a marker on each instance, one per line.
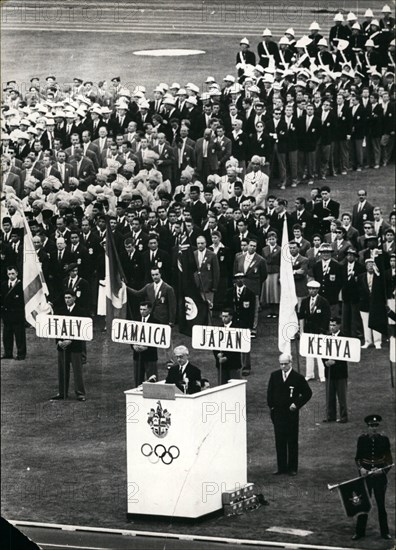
(66, 462)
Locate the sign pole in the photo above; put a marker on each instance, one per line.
(297, 353)
(391, 373)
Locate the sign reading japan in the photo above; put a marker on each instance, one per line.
(63, 326)
(330, 347)
(144, 334)
(221, 338)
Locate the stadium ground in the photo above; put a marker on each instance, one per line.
(66, 462)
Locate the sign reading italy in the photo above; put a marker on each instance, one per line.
(64, 326)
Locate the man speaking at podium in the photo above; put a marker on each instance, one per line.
(186, 376)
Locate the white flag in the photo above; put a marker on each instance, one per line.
(288, 320)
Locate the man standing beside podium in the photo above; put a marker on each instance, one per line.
(287, 392)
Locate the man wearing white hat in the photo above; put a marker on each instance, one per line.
(368, 17)
(315, 312)
(324, 58)
(267, 50)
(285, 53)
(356, 44)
(338, 31)
(371, 57)
(387, 22)
(315, 36)
(244, 57)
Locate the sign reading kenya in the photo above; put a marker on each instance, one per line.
(63, 326)
(220, 338)
(330, 347)
(144, 334)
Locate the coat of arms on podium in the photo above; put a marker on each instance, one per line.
(159, 420)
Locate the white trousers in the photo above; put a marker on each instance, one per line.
(310, 368)
(370, 336)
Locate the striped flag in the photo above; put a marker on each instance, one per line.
(288, 320)
(35, 290)
(116, 293)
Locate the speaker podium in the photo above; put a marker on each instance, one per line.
(184, 451)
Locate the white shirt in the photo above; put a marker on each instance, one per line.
(286, 374)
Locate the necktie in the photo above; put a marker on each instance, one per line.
(59, 256)
(312, 306)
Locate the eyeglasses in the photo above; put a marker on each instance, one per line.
(284, 364)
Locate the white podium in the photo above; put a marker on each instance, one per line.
(183, 452)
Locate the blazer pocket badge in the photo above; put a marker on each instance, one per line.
(245, 305)
(332, 278)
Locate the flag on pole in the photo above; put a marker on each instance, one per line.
(116, 293)
(355, 497)
(288, 320)
(193, 310)
(35, 290)
(378, 318)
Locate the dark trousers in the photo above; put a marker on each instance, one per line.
(65, 358)
(341, 155)
(376, 485)
(351, 320)
(14, 330)
(144, 369)
(224, 374)
(356, 148)
(286, 439)
(336, 388)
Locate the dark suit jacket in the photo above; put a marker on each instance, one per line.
(318, 321)
(256, 273)
(244, 306)
(76, 346)
(233, 357)
(359, 218)
(86, 173)
(83, 294)
(164, 304)
(350, 288)
(149, 354)
(12, 303)
(331, 283)
(280, 395)
(191, 373)
(161, 260)
(208, 275)
(212, 159)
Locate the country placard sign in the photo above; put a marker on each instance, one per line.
(65, 327)
(221, 338)
(330, 347)
(143, 334)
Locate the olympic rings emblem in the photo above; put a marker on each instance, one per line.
(160, 452)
